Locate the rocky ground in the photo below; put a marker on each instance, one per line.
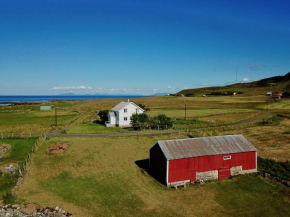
(31, 211)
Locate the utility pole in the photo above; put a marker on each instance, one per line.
(184, 110)
(55, 115)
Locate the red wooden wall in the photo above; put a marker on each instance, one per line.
(179, 169)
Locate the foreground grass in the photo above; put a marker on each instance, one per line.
(251, 195)
(99, 177)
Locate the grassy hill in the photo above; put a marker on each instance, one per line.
(273, 84)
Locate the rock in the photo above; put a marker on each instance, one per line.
(15, 206)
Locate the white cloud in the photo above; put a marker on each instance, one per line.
(72, 88)
(246, 80)
(169, 87)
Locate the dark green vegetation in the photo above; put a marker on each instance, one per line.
(274, 84)
(275, 168)
(143, 121)
(251, 195)
(7, 182)
(103, 114)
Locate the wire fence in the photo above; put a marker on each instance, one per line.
(19, 136)
(23, 166)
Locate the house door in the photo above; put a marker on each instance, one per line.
(192, 175)
(224, 173)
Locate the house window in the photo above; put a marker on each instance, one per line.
(125, 110)
(125, 118)
(227, 157)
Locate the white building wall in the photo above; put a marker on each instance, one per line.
(131, 109)
(112, 120)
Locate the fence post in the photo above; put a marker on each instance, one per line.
(137, 135)
(151, 135)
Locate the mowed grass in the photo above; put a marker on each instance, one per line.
(94, 128)
(20, 148)
(99, 177)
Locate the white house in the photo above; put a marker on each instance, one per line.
(121, 114)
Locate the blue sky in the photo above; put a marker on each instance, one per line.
(139, 47)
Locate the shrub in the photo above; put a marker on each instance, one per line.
(275, 168)
(161, 122)
(103, 114)
(140, 121)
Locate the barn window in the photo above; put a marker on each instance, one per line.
(227, 157)
(125, 110)
(125, 118)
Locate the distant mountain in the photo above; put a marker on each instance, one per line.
(159, 94)
(67, 94)
(273, 84)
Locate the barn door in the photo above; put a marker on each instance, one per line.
(192, 175)
(224, 173)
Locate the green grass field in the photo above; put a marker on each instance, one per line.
(194, 113)
(19, 150)
(24, 119)
(99, 177)
(94, 128)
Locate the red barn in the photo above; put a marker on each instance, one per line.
(186, 160)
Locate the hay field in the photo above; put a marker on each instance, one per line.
(99, 177)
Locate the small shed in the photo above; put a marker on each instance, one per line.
(45, 108)
(205, 158)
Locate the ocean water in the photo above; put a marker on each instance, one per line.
(5, 99)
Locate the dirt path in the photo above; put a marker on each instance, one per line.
(118, 134)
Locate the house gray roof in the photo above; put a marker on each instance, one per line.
(204, 146)
(121, 105)
(112, 114)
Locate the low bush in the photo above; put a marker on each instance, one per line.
(275, 168)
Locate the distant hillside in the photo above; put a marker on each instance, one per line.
(273, 84)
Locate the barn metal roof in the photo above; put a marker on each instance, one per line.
(204, 146)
